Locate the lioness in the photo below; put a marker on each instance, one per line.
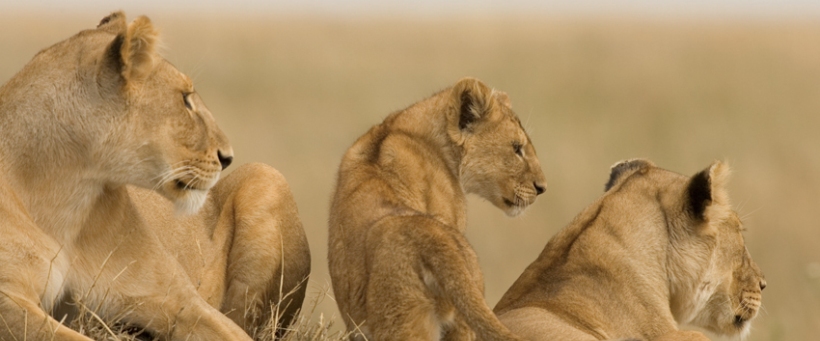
(657, 249)
(400, 264)
(83, 119)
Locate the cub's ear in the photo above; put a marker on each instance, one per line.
(623, 169)
(706, 188)
(474, 101)
(502, 98)
(132, 53)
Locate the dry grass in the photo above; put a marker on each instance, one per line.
(296, 92)
(302, 329)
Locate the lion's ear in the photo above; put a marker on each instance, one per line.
(132, 53)
(473, 99)
(623, 168)
(502, 98)
(113, 23)
(707, 188)
(138, 49)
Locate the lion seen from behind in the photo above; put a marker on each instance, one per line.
(400, 265)
(658, 249)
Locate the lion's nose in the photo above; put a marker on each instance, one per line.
(225, 161)
(762, 284)
(539, 188)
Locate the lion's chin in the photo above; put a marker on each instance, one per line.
(511, 208)
(190, 202)
(725, 323)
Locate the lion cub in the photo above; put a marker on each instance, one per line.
(400, 264)
(657, 249)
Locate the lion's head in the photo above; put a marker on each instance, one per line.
(105, 106)
(498, 159)
(713, 281)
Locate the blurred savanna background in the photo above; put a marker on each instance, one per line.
(293, 84)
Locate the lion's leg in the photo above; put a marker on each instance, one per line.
(536, 324)
(32, 267)
(269, 259)
(399, 305)
(23, 278)
(123, 271)
(400, 311)
(21, 318)
(162, 299)
(458, 331)
(683, 335)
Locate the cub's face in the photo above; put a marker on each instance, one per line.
(499, 161)
(179, 136)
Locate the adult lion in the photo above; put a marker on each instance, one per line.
(657, 249)
(83, 119)
(400, 264)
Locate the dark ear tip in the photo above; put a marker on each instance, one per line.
(617, 170)
(472, 100)
(111, 17)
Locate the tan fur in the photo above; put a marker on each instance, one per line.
(400, 264)
(82, 120)
(658, 249)
(245, 250)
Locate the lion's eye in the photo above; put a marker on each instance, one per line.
(517, 147)
(187, 101)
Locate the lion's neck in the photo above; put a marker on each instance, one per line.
(428, 165)
(430, 126)
(692, 282)
(59, 202)
(47, 162)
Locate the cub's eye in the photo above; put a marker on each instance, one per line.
(187, 101)
(517, 148)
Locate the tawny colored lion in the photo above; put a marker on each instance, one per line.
(400, 264)
(657, 249)
(82, 120)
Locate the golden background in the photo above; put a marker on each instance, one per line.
(295, 92)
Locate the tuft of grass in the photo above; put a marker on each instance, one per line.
(303, 328)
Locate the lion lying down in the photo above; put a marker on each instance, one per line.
(83, 121)
(657, 249)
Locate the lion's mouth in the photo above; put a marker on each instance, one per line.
(509, 203)
(517, 202)
(739, 321)
(514, 207)
(186, 186)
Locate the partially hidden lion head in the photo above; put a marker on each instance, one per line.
(713, 282)
(498, 159)
(122, 111)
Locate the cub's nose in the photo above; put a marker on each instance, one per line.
(762, 284)
(224, 160)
